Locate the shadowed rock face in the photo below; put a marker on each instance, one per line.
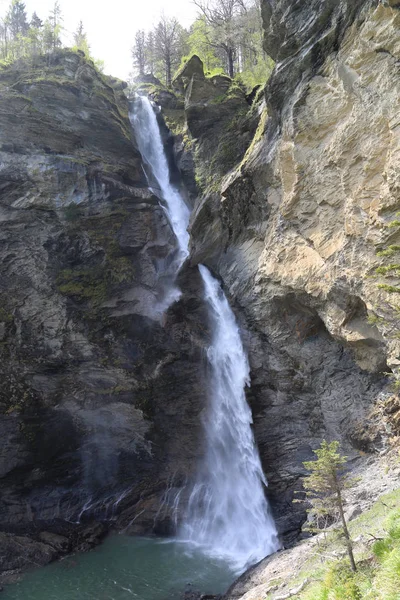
(301, 220)
(99, 396)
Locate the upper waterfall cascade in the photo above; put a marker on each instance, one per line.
(227, 513)
(151, 147)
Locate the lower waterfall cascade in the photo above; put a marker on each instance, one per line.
(227, 514)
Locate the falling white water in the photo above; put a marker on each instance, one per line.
(227, 515)
(151, 147)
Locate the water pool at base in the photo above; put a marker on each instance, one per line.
(124, 568)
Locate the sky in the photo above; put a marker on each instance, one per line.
(111, 25)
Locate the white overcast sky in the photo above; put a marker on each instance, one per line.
(111, 25)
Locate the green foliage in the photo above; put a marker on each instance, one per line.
(198, 44)
(99, 64)
(387, 581)
(389, 251)
(257, 136)
(340, 583)
(256, 73)
(85, 284)
(324, 486)
(391, 289)
(175, 120)
(22, 39)
(375, 581)
(387, 269)
(390, 272)
(16, 19)
(382, 548)
(326, 478)
(235, 90)
(232, 43)
(375, 320)
(72, 212)
(214, 72)
(90, 287)
(377, 576)
(224, 155)
(81, 41)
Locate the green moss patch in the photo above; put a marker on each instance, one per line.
(377, 557)
(93, 285)
(175, 120)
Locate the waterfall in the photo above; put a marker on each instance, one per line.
(227, 513)
(151, 148)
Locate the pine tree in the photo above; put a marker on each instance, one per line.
(169, 45)
(48, 37)
(4, 38)
(325, 485)
(36, 23)
(55, 22)
(139, 52)
(150, 52)
(16, 19)
(35, 33)
(80, 39)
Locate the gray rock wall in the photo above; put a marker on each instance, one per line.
(99, 395)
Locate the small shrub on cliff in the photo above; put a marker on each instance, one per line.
(391, 271)
(72, 212)
(341, 583)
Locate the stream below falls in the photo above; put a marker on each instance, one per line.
(125, 568)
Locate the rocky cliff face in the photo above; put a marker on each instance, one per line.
(298, 228)
(99, 394)
(299, 191)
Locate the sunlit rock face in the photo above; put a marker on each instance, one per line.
(99, 394)
(302, 220)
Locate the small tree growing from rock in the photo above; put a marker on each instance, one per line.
(325, 485)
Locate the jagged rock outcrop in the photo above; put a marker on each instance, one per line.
(216, 117)
(297, 227)
(99, 395)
